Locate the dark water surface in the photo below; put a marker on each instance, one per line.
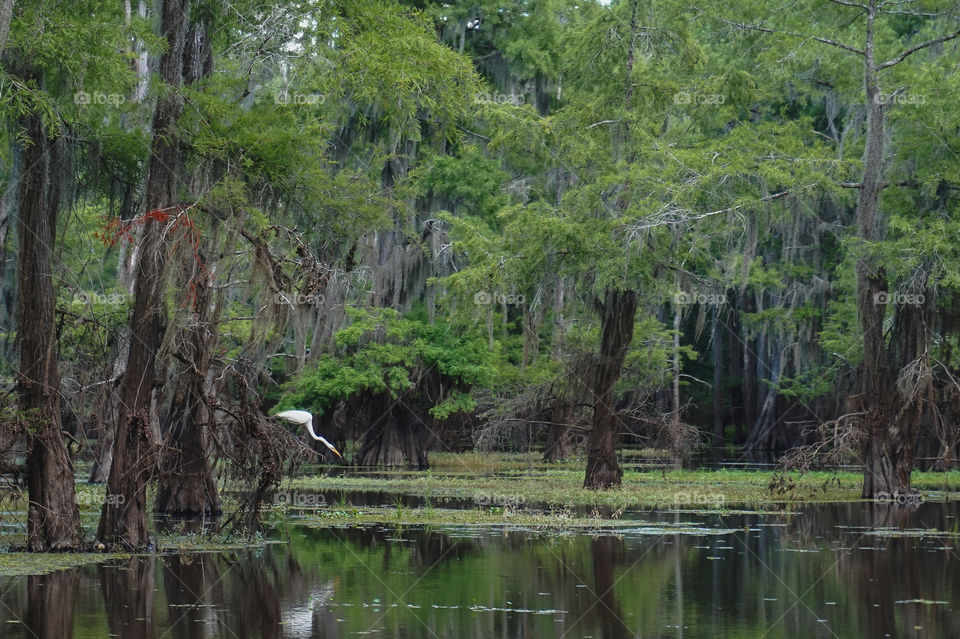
(842, 570)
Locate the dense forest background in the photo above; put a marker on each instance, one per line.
(493, 224)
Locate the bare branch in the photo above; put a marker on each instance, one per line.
(880, 185)
(916, 14)
(602, 122)
(832, 43)
(923, 45)
(675, 216)
(850, 4)
(473, 133)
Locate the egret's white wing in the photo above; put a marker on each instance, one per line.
(304, 418)
(297, 417)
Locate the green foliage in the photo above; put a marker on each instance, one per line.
(472, 181)
(566, 148)
(383, 352)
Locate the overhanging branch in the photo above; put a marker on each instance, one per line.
(923, 45)
(832, 43)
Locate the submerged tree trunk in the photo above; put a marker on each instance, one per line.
(399, 439)
(889, 452)
(616, 332)
(53, 519)
(107, 411)
(123, 521)
(189, 583)
(887, 462)
(186, 486)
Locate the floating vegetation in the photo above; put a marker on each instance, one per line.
(17, 564)
(912, 532)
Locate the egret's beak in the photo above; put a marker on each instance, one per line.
(329, 445)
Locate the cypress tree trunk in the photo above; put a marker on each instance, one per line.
(887, 457)
(889, 453)
(717, 351)
(749, 383)
(6, 14)
(53, 519)
(186, 486)
(559, 435)
(123, 521)
(107, 413)
(616, 327)
(399, 439)
(108, 416)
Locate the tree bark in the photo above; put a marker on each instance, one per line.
(887, 461)
(749, 383)
(717, 350)
(123, 521)
(398, 440)
(559, 435)
(6, 14)
(107, 409)
(675, 365)
(108, 415)
(186, 486)
(53, 519)
(616, 327)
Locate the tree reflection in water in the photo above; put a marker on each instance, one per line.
(607, 550)
(883, 571)
(128, 596)
(823, 571)
(51, 602)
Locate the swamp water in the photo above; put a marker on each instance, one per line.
(835, 570)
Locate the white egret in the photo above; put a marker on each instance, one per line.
(304, 418)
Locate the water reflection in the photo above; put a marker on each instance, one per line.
(190, 583)
(46, 616)
(128, 596)
(607, 553)
(896, 568)
(849, 570)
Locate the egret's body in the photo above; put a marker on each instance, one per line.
(304, 418)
